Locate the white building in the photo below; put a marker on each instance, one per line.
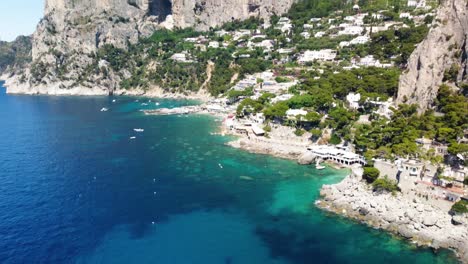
(308, 26)
(248, 82)
(285, 51)
(406, 15)
(213, 44)
(266, 44)
(281, 98)
(336, 154)
(353, 100)
(284, 24)
(305, 35)
(319, 34)
(351, 30)
(344, 44)
(181, 57)
(370, 61)
(321, 55)
(294, 113)
(359, 40)
(242, 33)
(412, 3)
(221, 33)
(385, 108)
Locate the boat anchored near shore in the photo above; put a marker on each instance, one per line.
(318, 166)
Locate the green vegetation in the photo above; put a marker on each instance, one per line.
(400, 42)
(397, 136)
(370, 174)
(299, 132)
(251, 23)
(17, 52)
(385, 184)
(460, 207)
(276, 111)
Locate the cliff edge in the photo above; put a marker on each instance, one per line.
(441, 57)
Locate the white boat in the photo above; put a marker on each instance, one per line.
(144, 104)
(113, 101)
(104, 109)
(132, 137)
(139, 130)
(318, 166)
(157, 104)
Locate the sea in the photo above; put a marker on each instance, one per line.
(80, 185)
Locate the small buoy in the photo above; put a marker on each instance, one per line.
(152, 223)
(154, 180)
(154, 193)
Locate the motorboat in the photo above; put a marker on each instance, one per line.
(318, 166)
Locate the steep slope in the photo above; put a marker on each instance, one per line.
(15, 54)
(72, 31)
(441, 57)
(203, 14)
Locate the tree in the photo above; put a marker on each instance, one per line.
(370, 174)
(460, 207)
(276, 111)
(335, 139)
(248, 106)
(385, 184)
(313, 117)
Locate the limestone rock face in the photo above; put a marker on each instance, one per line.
(71, 31)
(203, 14)
(445, 45)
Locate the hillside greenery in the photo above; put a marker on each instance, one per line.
(17, 52)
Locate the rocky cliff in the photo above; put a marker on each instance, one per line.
(15, 54)
(72, 31)
(441, 57)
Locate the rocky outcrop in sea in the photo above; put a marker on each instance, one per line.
(408, 218)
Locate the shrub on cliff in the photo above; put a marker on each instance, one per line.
(460, 207)
(370, 174)
(385, 184)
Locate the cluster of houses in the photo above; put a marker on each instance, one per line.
(356, 27)
(444, 182)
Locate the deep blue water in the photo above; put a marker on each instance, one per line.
(74, 188)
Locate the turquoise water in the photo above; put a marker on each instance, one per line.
(76, 189)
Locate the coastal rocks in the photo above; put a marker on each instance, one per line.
(435, 55)
(426, 225)
(459, 220)
(363, 211)
(405, 232)
(307, 158)
(430, 220)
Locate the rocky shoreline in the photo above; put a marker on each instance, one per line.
(56, 89)
(409, 218)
